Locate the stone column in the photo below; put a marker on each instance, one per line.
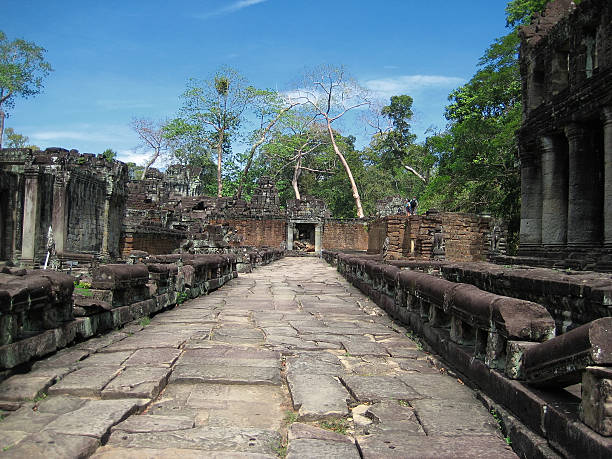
(607, 126)
(30, 220)
(105, 219)
(554, 192)
(290, 227)
(531, 204)
(59, 217)
(318, 234)
(584, 219)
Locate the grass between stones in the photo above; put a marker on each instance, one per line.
(144, 321)
(338, 425)
(280, 448)
(290, 417)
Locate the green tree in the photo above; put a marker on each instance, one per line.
(151, 135)
(214, 109)
(479, 169)
(269, 108)
(15, 140)
(22, 70)
(331, 93)
(109, 154)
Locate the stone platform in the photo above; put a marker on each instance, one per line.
(289, 360)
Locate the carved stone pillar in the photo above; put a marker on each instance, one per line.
(584, 219)
(290, 229)
(318, 234)
(531, 203)
(30, 220)
(554, 192)
(104, 252)
(607, 207)
(60, 214)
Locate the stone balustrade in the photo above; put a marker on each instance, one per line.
(504, 346)
(39, 316)
(498, 328)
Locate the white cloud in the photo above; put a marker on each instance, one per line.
(408, 84)
(59, 135)
(133, 156)
(122, 104)
(232, 8)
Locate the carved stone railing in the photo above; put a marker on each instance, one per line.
(507, 348)
(498, 328)
(38, 314)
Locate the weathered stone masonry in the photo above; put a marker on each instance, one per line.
(82, 197)
(566, 137)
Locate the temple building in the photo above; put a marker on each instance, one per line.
(565, 141)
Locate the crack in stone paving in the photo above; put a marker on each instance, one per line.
(288, 360)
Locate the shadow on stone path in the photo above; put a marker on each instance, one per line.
(288, 360)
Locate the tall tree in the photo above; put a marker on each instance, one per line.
(270, 108)
(22, 70)
(152, 137)
(332, 92)
(216, 107)
(15, 140)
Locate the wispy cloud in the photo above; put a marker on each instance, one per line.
(231, 8)
(46, 136)
(134, 156)
(122, 104)
(408, 84)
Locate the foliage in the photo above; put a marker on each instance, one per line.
(109, 154)
(290, 417)
(83, 288)
(520, 12)
(478, 167)
(212, 112)
(22, 71)
(181, 297)
(14, 140)
(135, 172)
(144, 321)
(338, 425)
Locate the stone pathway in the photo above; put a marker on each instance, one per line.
(288, 360)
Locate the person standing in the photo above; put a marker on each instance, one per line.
(413, 206)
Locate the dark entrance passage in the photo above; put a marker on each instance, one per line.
(304, 237)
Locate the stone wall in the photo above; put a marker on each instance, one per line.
(460, 237)
(80, 196)
(256, 232)
(345, 235)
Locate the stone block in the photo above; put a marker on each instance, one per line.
(114, 276)
(596, 405)
(561, 360)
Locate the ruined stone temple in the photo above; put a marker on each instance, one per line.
(566, 136)
(169, 323)
(96, 213)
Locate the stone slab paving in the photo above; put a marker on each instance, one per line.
(289, 360)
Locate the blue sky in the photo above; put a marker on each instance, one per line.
(115, 60)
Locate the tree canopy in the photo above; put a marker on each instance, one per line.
(22, 70)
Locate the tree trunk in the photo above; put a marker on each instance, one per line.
(296, 176)
(149, 164)
(348, 172)
(413, 170)
(1, 126)
(256, 145)
(219, 156)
